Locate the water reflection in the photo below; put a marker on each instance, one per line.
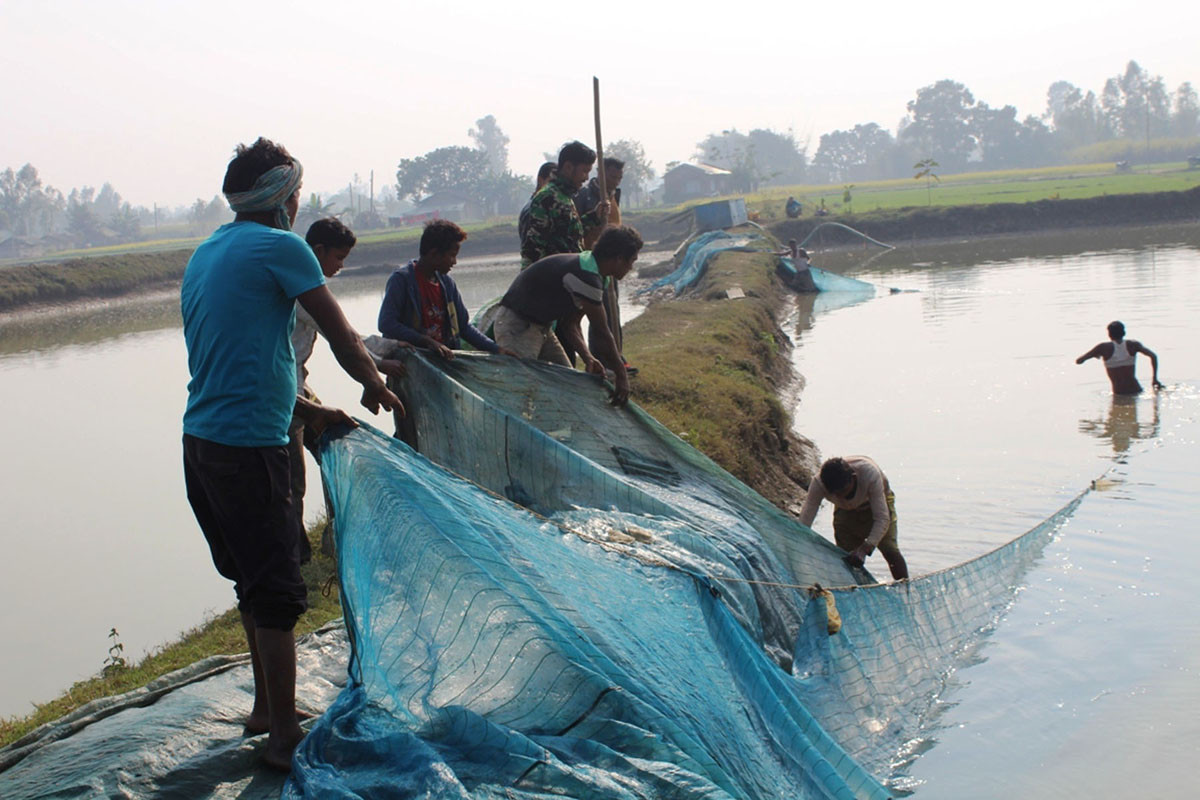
(1121, 427)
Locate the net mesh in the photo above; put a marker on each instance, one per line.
(639, 626)
(699, 253)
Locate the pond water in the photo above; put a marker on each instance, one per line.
(97, 531)
(965, 391)
(967, 394)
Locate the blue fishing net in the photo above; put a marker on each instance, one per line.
(636, 624)
(698, 254)
(824, 280)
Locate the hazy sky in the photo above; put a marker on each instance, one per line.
(153, 96)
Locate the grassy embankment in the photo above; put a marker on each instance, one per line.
(712, 369)
(978, 188)
(222, 634)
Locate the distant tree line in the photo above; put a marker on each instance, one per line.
(481, 173)
(32, 210)
(1134, 118)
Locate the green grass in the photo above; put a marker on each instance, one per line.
(222, 634)
(99, 276)
(978, 188)
(709, 370)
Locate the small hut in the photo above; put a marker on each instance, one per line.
(690, 181)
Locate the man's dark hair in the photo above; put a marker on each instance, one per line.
(249, 163)
(576, 153)
(621, 242)
(613, 163)
(836, 475)
(546, 170)
(330, 232)
(1116, 330)
(440, 235)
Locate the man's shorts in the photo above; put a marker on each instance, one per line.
(528, 339)
(851, 527)
(241, 497)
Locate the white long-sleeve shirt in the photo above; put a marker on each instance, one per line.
(872, 490)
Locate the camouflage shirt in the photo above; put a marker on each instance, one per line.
(554, 226)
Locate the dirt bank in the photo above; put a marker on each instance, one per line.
(713, 369)
(968, 221)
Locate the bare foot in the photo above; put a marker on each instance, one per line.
(258, 724)
(278, 752)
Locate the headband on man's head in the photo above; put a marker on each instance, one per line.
(270, 193)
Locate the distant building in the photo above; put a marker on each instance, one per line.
(689, 181)
(452, 206)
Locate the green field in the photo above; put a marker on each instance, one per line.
(978, 188)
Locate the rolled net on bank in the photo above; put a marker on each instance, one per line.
(699, 253)
(641, 625)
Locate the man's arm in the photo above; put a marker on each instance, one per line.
(1095, 352)
(1138, 347)
(319, 417)
(597, 217)
(812, 502)
(348, 349)
(609, 353)
(881, 516)
(391, 313)
(477, 338)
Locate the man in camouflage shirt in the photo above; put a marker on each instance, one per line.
(554, 226)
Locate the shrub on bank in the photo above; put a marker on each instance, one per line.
(100, 276)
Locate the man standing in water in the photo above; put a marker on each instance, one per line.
(238, 300)
(864, 514)
(1119, 355)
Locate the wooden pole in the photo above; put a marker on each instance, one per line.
(600, 177)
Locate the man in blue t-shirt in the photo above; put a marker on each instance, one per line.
(558, 291)
(238, 299)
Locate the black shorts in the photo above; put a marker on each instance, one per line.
(241, 497)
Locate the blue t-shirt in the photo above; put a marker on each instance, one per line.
(239, 306)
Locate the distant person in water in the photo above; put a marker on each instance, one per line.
(864, 514)
(802, 280)
(1119, 355)
(791, 251)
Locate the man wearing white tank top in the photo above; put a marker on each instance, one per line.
(1119, 355)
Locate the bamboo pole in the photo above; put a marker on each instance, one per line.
(600, 177)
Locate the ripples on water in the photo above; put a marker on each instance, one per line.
(968, 396)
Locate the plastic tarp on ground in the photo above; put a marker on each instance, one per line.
(624, 635)
(179, 738)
